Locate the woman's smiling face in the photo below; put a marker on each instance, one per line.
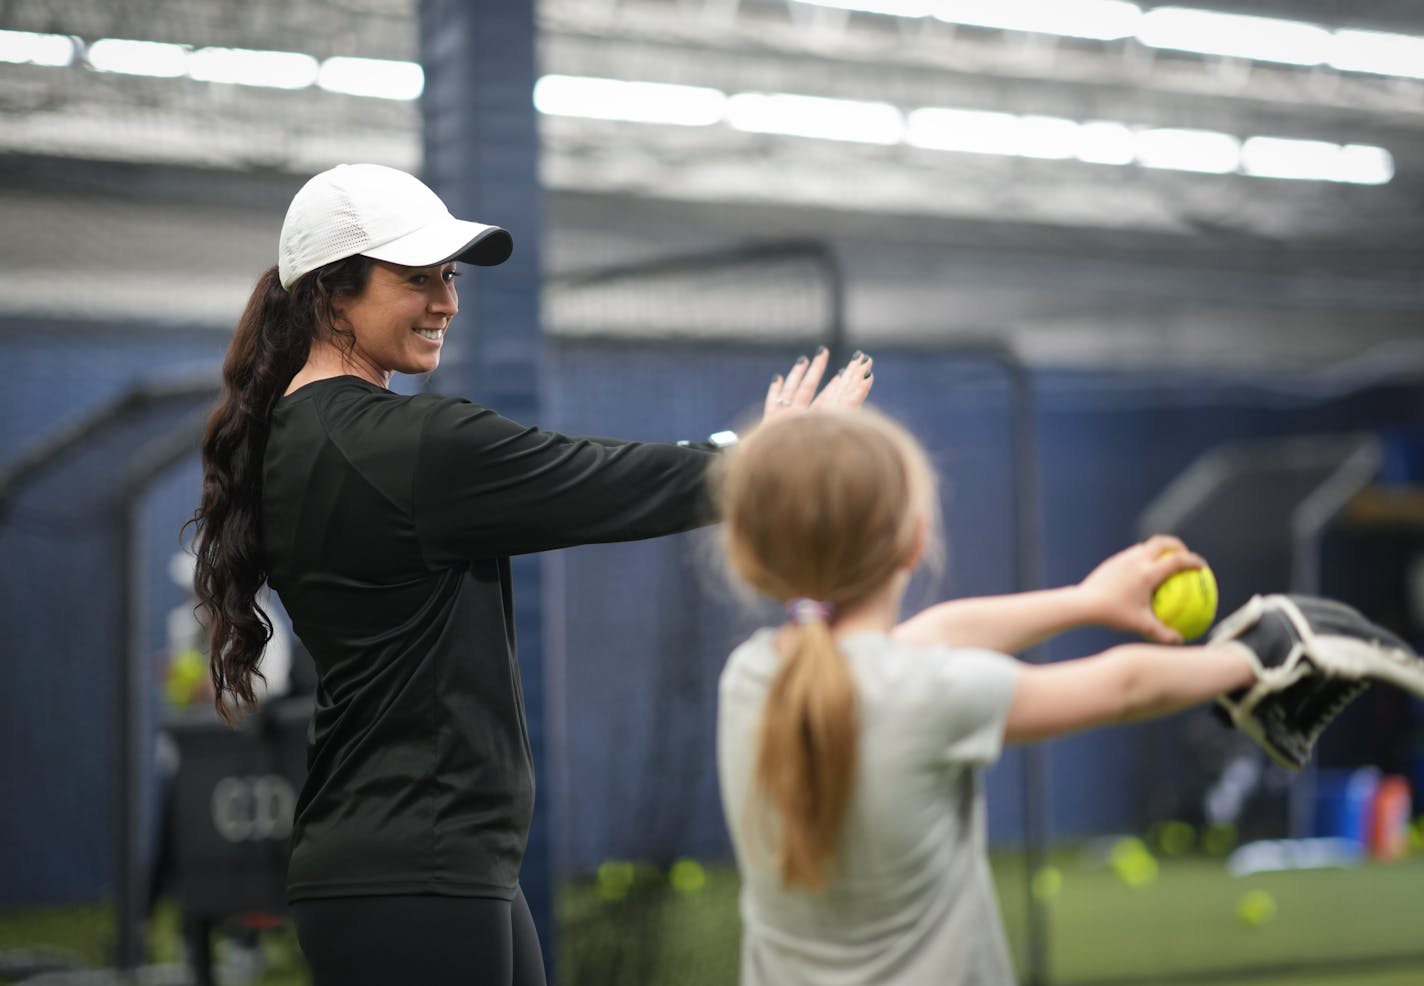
(399, 320)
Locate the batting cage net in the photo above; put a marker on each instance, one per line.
(636, 634)
(1160, 828)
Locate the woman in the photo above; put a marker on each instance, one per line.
(385, 524)
(849, 743)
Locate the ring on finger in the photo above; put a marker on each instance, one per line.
(783, 402)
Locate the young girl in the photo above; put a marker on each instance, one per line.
(849, 744)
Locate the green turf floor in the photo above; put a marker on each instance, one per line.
(1336, 926)
(641, 926)
(1362, 926)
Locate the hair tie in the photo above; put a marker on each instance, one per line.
(802, 610)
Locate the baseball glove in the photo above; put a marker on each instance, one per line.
(1312, 657)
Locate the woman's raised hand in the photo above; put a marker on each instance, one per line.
(797, 390)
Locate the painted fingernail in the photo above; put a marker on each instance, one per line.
(857, 357)
(820, 350)
(776, 379)
(800, 360)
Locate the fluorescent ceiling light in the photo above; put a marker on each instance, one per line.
(1105, 142)
(1188, 150)
(24, 48)
(1374, 51)
(1044, 137)
(1318, 160)
(963, 130)
(1265, 39)
(240, 66)
(1206, 32)
(374, 77)
(815, 116)
(967, 131)
(155, 58)
(637, 102)
(1051, 138)
(1280, 157)
(1098, 20)
(1364, 164)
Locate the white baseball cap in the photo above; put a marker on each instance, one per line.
(383, 213)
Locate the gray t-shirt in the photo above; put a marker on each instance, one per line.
(910, 900)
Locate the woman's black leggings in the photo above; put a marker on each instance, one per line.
(432, 941)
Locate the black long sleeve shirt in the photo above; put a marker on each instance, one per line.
(388, 522)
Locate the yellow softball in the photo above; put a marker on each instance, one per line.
(1186, 602)
(1256, 907)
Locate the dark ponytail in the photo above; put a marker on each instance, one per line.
(271, 343)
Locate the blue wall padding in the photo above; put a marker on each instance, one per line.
(59, 600)
(634, 634)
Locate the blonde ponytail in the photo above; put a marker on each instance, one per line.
(807, 756)
(820, 511)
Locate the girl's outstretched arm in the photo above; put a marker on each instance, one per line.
(1122, 684)
(1117, 594)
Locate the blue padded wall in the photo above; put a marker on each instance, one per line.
(61, 657)
(635, 634)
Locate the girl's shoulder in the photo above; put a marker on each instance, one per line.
(755, 654)
(934, 674)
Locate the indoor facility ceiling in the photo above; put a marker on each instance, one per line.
(1080, 259)
(737, 47)
(748, 49)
